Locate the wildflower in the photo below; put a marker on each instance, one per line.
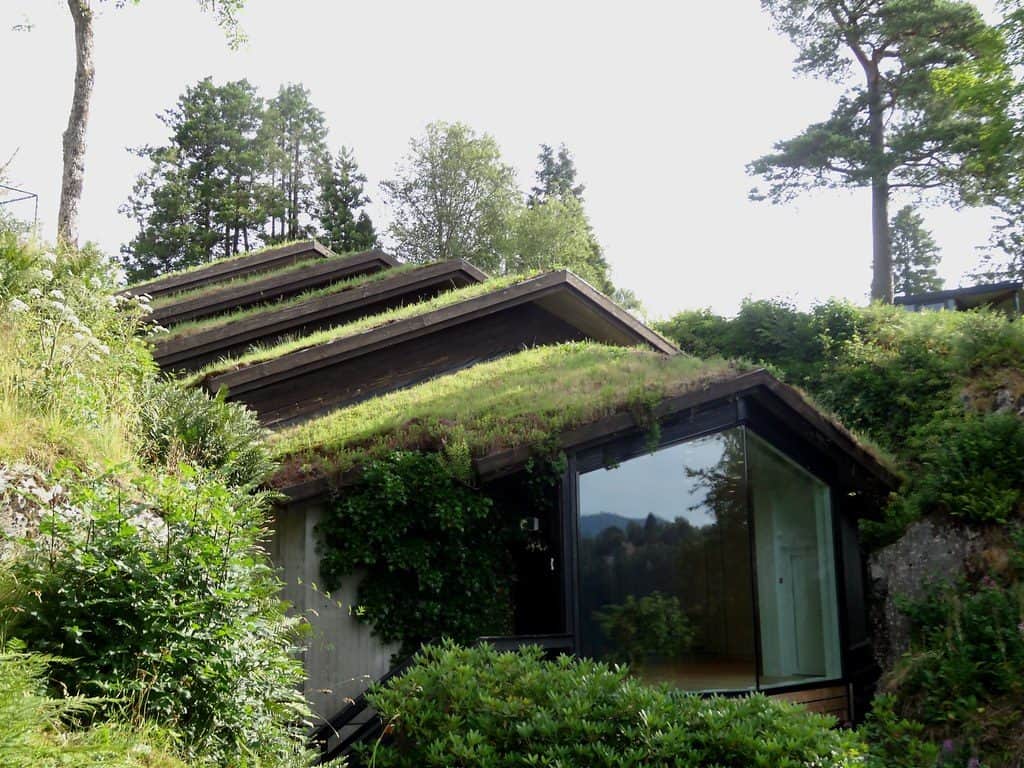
(47, 274)
(35, 293)
(58, 294)
(95, 282)
(17, 305)
(50, 257)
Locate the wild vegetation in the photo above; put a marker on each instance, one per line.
(140, 611)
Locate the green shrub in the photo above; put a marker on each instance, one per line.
(894, 741)
(71, 356)
(434, 552)
(479, 707)
(38, 729)
(169, 611)
(970, 467)
(180, 423)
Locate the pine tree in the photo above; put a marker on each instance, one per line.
(297, 131)
(343, 226)
(915, 254)
(556, 176)
(201, 197)
(927, 106)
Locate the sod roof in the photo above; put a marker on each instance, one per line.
(496, 287)
(251, 262)
(496, 413)
(191, 345)
(229, 294)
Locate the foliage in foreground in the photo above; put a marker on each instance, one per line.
(481, 707)
(166, 606)
(37, 730)
(138, 560)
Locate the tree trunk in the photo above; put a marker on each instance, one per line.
(881, 246)
(74, 136)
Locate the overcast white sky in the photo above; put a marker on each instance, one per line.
(662, 104)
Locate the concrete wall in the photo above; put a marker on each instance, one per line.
(342, 657)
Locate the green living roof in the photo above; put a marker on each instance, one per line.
(523, 399)
(190, 327)
(210, 288)
(263, 354)
(216, 262)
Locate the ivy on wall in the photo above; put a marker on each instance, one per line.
(436, 552)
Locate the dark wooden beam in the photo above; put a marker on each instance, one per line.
(190, 351)
(272, 287)
(232, 268)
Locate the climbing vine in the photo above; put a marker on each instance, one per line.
(434, 550)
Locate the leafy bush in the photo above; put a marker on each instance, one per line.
(971, 467)
(894, 741)
(36, 729)
(488, 709)
(169, 611)
(434, 552)
(179, 423)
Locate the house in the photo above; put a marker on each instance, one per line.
(1006, 296)
(704, 494)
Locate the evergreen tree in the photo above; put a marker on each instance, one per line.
(556, 176)
(927, 107)
(201, 197)
(297, 132)
(915, 254)
(343, 227)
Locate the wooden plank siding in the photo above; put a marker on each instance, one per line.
(232, 268)
(189, 352)
(273, 287)
(833, 700)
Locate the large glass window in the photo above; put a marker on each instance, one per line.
(665, 565)
(667, 543)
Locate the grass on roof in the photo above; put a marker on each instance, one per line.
(166, 299)
(519, 400)
(263, 354)
(225, 260)
(191, 327)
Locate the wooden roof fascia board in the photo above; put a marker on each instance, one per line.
(229, 269)
(275, 321)
(273, 287)
(309, 359)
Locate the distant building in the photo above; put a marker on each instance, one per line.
(1007, 296)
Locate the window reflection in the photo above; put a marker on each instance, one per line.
(666, 582)
(665, 565)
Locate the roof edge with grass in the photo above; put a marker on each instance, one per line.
(506, 410)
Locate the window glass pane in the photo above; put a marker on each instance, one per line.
(665, 580)
(796, 579)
